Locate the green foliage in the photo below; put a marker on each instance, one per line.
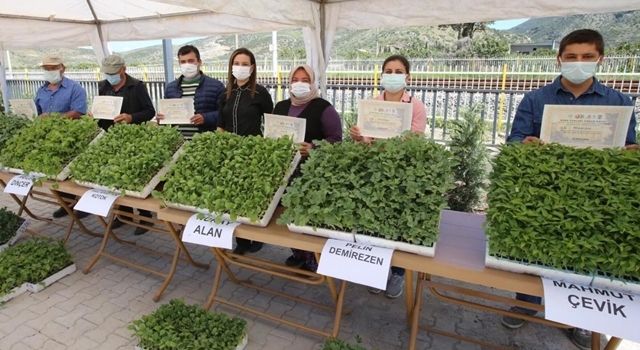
(227, 173)
(490, 46)
(128, 156)
(567, 208)
(9, 224)
(470, 153)
(9, 126)
(393, 188)
(178, 326)
(31, 261)
(48, 144)
(337, 344)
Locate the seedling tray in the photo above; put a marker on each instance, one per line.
(21, 229)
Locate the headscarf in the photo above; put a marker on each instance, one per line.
(313, 93)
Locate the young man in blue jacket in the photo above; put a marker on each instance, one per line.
(204, 90)
(579, 54)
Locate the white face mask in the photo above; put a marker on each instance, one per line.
(578, 72)
(393, 82)
(300, 89)
(52, 76)
(189, 70)
(241, 72)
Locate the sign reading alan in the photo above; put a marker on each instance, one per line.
(98, 202)
(596, 309)
(356, 263)
(207, 232)
(20, 185)
(586, 126)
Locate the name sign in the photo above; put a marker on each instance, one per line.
(205, 231)
(98, 202)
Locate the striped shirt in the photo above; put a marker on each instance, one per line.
(189, 88)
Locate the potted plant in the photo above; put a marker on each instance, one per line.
(337, 344)
(32, 266)
(566, 213)
(177, 326)
(10, 225)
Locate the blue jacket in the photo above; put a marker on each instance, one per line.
(205, 101)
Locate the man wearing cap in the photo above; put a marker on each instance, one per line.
(59, 94)
(136, 108)
(136, 103)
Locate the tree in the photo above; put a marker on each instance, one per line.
(471, 155)
(466, 30)
(490, 46)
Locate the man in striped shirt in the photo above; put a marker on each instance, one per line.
(204, 90)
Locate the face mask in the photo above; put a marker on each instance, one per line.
(300, 89)
(393, 82)
(52, 76)
(578, 72)
(113, 79)
(241, 72)
(189, 70)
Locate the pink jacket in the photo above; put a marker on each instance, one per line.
(419, 119)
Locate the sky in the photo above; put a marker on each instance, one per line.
(122, 46)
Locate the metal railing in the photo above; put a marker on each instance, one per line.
(442, 105)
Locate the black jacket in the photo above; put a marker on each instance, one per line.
(136, 100)
(242, 114)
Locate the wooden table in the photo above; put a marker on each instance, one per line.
(56, 191)
(273, 234)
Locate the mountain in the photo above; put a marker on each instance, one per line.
(414, 42)
(616, 28)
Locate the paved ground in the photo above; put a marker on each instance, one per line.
(92, 311)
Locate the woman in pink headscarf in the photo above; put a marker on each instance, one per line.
(323, 123)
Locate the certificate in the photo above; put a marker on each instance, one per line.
(106, 107)
(176, 110)
(586, 126)
(24, 107)
(383, 119)
(276, 126)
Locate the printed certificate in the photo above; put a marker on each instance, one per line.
(106, 107)
(176, 110)
(24, 107)
(276, 126)
(383, 119)
(586, 126)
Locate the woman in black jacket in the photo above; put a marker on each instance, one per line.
(242, 107)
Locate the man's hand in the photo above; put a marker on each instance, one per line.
(197, 119)
(532, 139)
(159, 117)
(304, 149)
(123, 118)
(632, 147)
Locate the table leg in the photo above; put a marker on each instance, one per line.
(415, 312)
(105, 239)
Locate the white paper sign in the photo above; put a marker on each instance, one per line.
(24, 107)
(596, 309)
(176, 110)
(20, 185)
(384, 119)
(356, 263)
(106, 107)
(276, 126)
(98, 202)
(207, 232)
(586, 126)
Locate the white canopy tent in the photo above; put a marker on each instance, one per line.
(72, 23)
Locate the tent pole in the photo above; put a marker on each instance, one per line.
(323, 74)
(3, 80)
(167, 59)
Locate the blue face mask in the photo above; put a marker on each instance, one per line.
(393, 82)
(578, 72)
(113, 79)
